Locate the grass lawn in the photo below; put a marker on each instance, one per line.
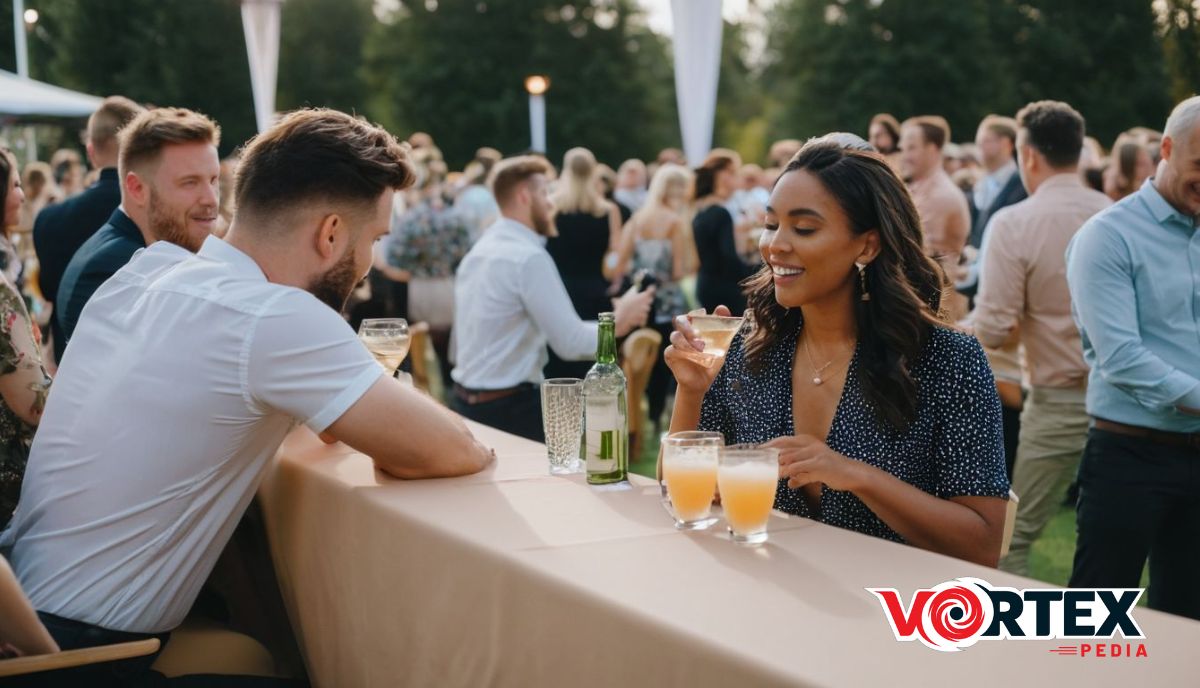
(1049, 561)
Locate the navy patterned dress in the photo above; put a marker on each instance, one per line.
(954, 447)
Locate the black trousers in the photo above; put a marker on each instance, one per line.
(1138, 499)
(519, 414)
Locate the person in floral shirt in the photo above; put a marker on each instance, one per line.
(429, 241)
(23, 379)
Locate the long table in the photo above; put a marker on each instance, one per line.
(514, 577)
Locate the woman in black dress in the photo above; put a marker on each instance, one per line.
(721, 266)
(588, 228)
(888, 421)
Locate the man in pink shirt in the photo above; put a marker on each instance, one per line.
(945, 215)
(1023, 295)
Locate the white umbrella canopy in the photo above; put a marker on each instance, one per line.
(28, 98)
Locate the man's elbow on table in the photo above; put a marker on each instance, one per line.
(456, 457)
(408, 435)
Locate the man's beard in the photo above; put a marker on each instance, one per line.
(167, 226)
(334, 287)
(543, 224)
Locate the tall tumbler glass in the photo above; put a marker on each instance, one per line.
(562, 420)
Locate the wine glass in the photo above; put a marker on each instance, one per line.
(387, 339)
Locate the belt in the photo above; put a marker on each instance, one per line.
(1181, 440)
(473, 397)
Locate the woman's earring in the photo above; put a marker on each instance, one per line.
(862, 275)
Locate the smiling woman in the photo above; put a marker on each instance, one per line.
(888, 421)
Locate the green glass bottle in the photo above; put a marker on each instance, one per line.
(605, 421)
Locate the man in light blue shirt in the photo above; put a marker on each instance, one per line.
(1134, 274)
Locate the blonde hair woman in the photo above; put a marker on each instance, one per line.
(657, 242)
(587, 228)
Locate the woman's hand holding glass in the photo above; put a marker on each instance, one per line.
(804, 459)
(691, 372)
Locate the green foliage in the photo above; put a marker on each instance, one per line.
(456, 69)
(187, 54)
(836, 63)
(1181, 43)
(320, 54)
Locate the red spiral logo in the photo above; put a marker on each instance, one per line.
(956, 614)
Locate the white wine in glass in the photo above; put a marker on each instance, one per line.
(387, 339)
(717, 332)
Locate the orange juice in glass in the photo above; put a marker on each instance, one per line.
(690, 474)
(747, 478)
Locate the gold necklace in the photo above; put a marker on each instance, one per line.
(817, 379)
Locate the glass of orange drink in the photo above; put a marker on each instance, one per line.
(690, 475)
(747, 477)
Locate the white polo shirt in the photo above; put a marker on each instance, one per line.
(183, 377)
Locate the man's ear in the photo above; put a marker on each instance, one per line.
(330, 234)
(135, 189)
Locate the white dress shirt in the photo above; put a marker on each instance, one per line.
(183, 377)
(509, 301)
(988, 189)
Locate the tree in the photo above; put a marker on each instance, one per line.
(186, 54)
(741, 123)
(321, 54)
(836, 62)
(1103, 57)
(1180, 22)
(456, 69)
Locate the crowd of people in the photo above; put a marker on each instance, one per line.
(931, 324)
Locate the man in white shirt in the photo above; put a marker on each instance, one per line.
(187, 371)
(509, 302)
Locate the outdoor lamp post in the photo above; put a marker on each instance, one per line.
(537, 85)
(23, 20)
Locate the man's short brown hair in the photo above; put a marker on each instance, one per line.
(320, 154)
(934, 128)
(1001, 126)
(508, 174)
(143, 139)
(113, 114)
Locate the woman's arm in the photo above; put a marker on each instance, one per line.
(625, 250)
(679, 249)
(614, 226)
(969, 528)
(19, 624)
(23, 379)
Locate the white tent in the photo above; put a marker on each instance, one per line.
(28, 98)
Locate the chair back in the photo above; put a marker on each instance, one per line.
(1010, 520)
(638, 355)
(69, 659)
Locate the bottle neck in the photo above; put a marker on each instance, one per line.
(606, 346)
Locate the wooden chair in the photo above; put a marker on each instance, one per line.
(418, 355)
(1010, 521)
(69, 659)
(638, 355)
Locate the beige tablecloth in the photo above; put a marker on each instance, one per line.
(517, 578)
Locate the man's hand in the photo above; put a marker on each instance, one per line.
(632, 310)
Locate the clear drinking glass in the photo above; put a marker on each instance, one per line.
(717, 331)
(747, 477)
(690, 474)
(562, 420)
(387, 339)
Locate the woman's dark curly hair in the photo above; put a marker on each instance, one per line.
(906, 287)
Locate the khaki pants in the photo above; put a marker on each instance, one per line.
(1054, 427)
